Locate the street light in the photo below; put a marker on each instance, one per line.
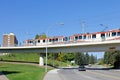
(47, 42)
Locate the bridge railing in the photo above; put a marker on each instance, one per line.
(68, 42)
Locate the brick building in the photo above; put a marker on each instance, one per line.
(9, 40)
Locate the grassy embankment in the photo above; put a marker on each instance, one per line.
(30, 57)
(22, 71)
(22, 57)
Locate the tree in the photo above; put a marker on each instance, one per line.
(87, 57)
(92, 59)
(70, 56)
(40, 36)
(116, 59)
(79, 58)
(37, 36)
(107, 57)
(112, 58)
(64, 57)
(101, 61)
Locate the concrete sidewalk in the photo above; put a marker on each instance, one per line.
(3, 77)
(52, 75)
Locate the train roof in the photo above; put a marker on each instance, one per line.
(102, 32)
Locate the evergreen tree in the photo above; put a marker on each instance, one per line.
(87, 57)
(92, 59)
(79, 58)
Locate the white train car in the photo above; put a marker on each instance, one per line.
(29, 42)
(88, 37)
(98, 36)
(53, 40)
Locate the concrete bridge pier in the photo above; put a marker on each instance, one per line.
(41, 60)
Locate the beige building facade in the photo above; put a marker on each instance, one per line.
(9, 40)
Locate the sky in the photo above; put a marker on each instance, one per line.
(26, 18)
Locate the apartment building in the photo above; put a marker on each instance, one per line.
(9, 40)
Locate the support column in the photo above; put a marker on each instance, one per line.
(41, 60)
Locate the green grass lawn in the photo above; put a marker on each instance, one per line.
(27, 57)
(30, 57)
(22, 72)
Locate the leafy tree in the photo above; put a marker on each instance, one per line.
(40, 36)
(37, 36)
(80, 58)
(59, 58)
(101, 61)
(112, 58)
(70, 56)
(64, 57)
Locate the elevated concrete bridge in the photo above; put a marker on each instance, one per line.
(71, 47)
(100, 46)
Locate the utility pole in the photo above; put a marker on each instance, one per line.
(83, 27)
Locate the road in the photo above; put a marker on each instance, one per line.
(74, 74)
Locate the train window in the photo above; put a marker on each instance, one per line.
(38, 41)
(50, 40)
(80, 37)
(76, 38)
(56, 39)
(113, 33)
(31, 41)
(102, 35)
(65, 39)
(43, 41)
(84, 37)
(53, 40)
(118, 33)
(94, 36)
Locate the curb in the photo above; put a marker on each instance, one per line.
(3, 77)
(52, 75)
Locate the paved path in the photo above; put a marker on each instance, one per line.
(3, 77)
(52, 75)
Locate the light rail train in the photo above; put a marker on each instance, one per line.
(87, 37)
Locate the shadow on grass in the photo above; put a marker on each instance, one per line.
(9, 72)
(19, 61)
